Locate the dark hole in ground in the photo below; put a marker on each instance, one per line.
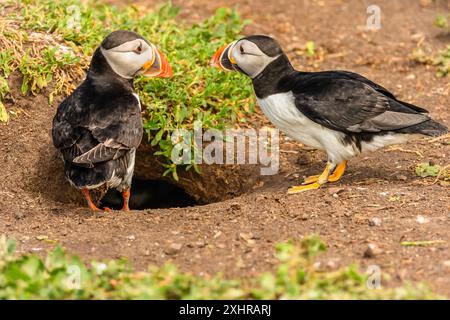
(149, 194)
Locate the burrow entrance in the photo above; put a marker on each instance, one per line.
(151, 190)
(150, 194)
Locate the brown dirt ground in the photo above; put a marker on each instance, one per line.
(380, 185)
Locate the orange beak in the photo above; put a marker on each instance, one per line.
(222, 58)
(158, 67)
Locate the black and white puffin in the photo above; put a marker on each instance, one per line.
(340, 112)
(98, 127)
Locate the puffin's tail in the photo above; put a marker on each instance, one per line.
(428, 128)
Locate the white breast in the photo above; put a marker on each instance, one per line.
(280, 109)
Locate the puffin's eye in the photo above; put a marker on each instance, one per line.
(138, 50)
(241, 49)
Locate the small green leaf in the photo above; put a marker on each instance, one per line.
(157, 138)
(24, 87)
(310, 48)
(441, 21)
(3, 113)
(427, 170)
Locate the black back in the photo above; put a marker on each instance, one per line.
(96, 126)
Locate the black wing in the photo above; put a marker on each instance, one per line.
(105, 129)
(350, 103)
(373, 85)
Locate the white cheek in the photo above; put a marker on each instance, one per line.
(254, 65)
(248, 64)
(126, 64)
(241, 61)
(131, 61)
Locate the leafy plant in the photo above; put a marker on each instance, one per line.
(441, 59)
(426, 169)
(310, 48)
(6, 58)
(37, 76)
(61, 276)
(51, 43)
(441, 21)
(4, 88)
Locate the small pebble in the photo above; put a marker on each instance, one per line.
(422, 219)
(235, 206)
(374, 222)
(303, 160)
(372, 251)
(200, 244)
(19, 215)
(247, 237)
(335, 190)
(174, 248)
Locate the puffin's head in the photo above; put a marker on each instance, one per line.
(250, 55)
(129, 54)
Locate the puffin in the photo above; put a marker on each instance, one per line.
(98, 128)
(340, 112)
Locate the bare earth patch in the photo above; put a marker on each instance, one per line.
(379, 201)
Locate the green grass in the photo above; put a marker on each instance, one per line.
(442, 21)
(441, 59)
(50, 44)
(6, 58)
(61, 276)
(425, 169)
(441, 174)
(4, 89)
